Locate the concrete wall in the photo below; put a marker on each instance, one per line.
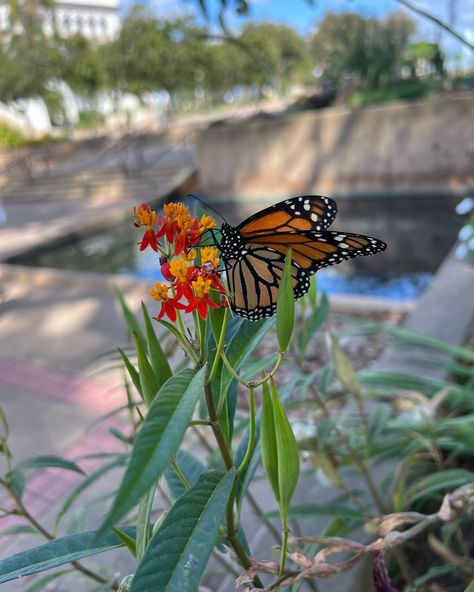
(411, 145)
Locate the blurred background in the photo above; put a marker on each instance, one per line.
(105, 104)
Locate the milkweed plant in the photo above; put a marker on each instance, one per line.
(195, 367)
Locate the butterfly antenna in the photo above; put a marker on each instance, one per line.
(207, 206)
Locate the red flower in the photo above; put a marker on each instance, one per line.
(169, 306)
(145, 216)
(149, 239)
(201, 300)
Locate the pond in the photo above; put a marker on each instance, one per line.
(114, 250)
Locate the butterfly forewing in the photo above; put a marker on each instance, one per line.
(299, 214)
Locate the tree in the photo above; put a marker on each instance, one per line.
(26, 63)
(275, 54)
(81, 64)
(371, 51)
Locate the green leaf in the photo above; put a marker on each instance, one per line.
(18, 478)
(148, 381)
(332, 509)
(470, 588)
(342, 366)
(415, 338)
(158, 439)
(132, 371)
(268, 441)
(285, 313)
(118, 461)
(186, 538)
(18, 529)
(127, 540)
(312, 324)
(143, 523)
(288, 454)
(129, 317)
(58, 552)
(158, 359)
(442, 480)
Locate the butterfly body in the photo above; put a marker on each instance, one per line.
(254, 251)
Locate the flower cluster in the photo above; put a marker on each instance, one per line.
(191, 271)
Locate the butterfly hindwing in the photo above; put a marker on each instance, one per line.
(298, 214)
(254, 280)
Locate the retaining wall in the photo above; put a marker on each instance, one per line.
(411, 145)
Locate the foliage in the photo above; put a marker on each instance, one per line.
(399, 90)
(350, 47)
(395, 449)
(11, 138)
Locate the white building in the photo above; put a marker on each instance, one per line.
(95, 19)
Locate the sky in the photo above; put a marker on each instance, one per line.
(304, 14)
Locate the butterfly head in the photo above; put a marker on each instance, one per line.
(231, 243)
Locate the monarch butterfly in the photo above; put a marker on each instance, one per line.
(254, 251)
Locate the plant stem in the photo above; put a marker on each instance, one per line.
(229, 463)
(181, 476)
(284, 543)
(220, 346)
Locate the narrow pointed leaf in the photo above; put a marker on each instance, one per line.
(148, 382)
(18, 476)
(143, 523)
(58, 552)
(342, 366)
(158, 359)
(132, 371)
(288, 454)
(127, 540)
(285, 314)
(129, 317)
(268, 441)
(179, 551)
(158, 440)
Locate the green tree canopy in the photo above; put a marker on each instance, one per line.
(346, 45)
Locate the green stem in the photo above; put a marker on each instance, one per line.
(220, 346)
(181, 476)
(272, 373)
(251, 442)
(229, 463)
(284, 543)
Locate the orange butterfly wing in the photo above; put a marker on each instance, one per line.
(254, 252)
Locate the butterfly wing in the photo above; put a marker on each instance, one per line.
(254, 279)
(315, 250)
(254, 276)
(300, 214)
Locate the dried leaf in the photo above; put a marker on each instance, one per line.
(269, 567)
(382, 525)
(299, 558)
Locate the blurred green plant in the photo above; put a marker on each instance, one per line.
(387, 450)
(11, 138)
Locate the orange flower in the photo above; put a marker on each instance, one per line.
(145, 216)
(201, 301)
(169, 306)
